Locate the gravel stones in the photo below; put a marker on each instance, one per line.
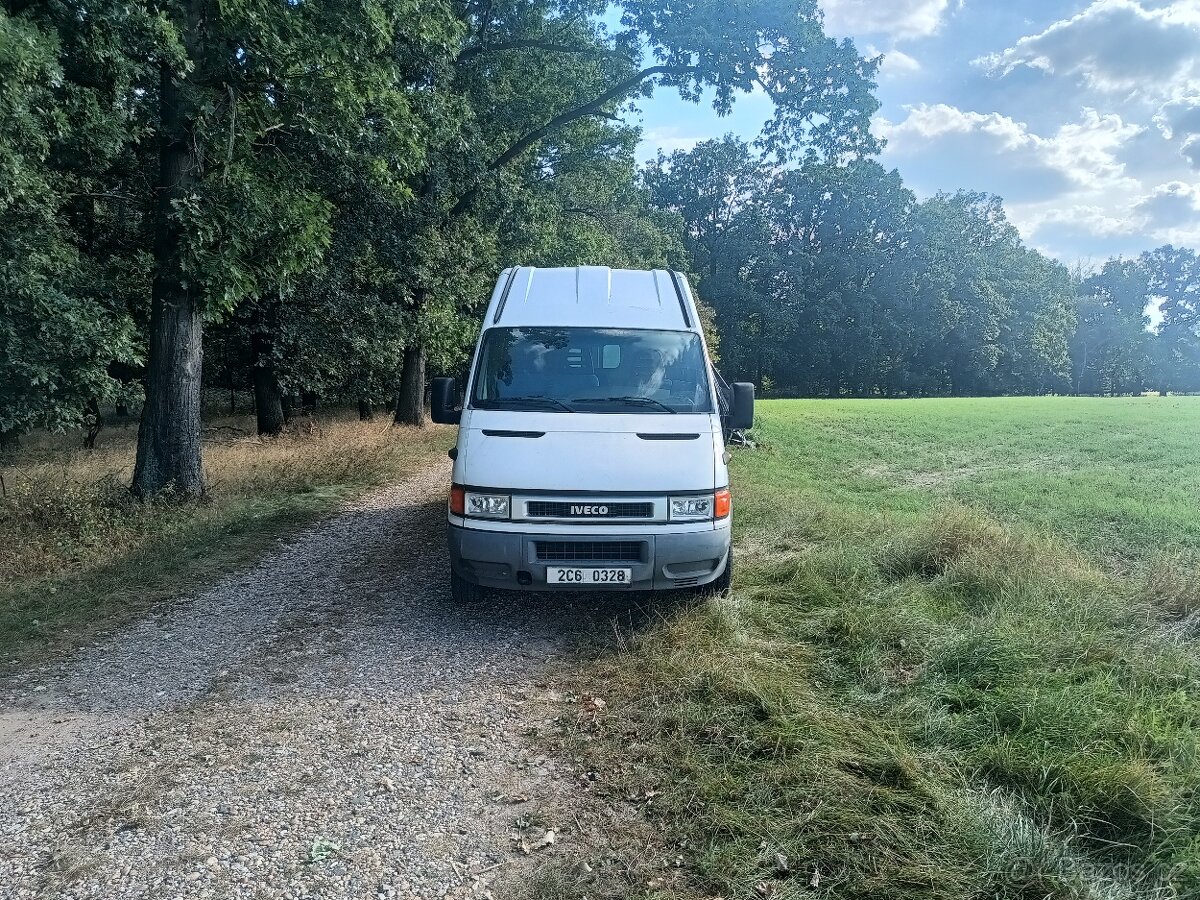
(326, 724)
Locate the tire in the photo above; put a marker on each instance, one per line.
(724, 581)
(465, 592)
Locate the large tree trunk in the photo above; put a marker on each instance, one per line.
(410, 404)
(1079, 372)
(95, 422)
(168, 453)
(268, 396)
(229, 380)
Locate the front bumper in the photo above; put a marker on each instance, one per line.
(508, 559)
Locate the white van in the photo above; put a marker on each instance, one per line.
(591, 447)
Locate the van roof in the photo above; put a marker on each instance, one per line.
(592, 296)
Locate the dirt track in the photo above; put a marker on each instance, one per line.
(326, 724)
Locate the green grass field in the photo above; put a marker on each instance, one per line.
(1119, 478)
(960, 660)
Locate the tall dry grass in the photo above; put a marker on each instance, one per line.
(76, 548)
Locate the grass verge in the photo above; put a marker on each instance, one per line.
(908, 696)
(78, 554)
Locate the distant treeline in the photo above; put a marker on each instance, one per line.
(834, 280)
(311, 201)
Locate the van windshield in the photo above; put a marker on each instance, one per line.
(602, 370)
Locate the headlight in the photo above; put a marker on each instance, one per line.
(491, 506)
(691, 509)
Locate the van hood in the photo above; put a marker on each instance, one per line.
(584, 452)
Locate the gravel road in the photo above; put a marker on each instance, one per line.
(327, 724)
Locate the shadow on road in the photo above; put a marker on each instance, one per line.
(593, 619)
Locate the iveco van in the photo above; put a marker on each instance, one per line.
(591, 443)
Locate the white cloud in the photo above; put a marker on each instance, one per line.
(1087, 219)
(1087, 149)
(926, 121)
(1115, 45)
(1112, 225)
(1179, 117)
(1190, 150)
(1083, 225)
(1094, 139)
(667, 139)
(991, 151)
(895, 62)
(899, 19)
(1179, 120)
(1171, 206)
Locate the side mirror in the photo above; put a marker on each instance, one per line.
(741, 415)
(442, 397)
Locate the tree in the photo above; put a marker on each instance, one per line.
(1173, 278)
(250, 97)
(527, 72)
(1110, 346)
(62, 315)
(828, 278)
(842, 230)
(720, 190)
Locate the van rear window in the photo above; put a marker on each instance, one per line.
(603, 370)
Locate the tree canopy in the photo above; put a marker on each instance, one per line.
(830, 278)
(311, 200)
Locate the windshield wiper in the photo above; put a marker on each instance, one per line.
(545, 401)
(642, 400)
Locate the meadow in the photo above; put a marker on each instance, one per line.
(79, 555)
(959, 660)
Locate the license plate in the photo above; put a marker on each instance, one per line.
(557, 575)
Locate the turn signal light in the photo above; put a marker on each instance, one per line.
(458, 499)
(724, 503)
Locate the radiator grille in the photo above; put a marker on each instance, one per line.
(589, 551)
(558, 509)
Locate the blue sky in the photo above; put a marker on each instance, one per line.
(1083, 116)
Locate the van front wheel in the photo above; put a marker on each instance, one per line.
(463, 591)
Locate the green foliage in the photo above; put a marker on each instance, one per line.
(1114, 351)
(294, 105)
(339, 335)
(821, 87)
(1110, 348)
(61, 321)
(1174, 279)
(830, 278)
(356, 172)
(524, 164)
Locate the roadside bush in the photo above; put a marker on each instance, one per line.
(54, 520)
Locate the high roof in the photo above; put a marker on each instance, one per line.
(592, 296)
